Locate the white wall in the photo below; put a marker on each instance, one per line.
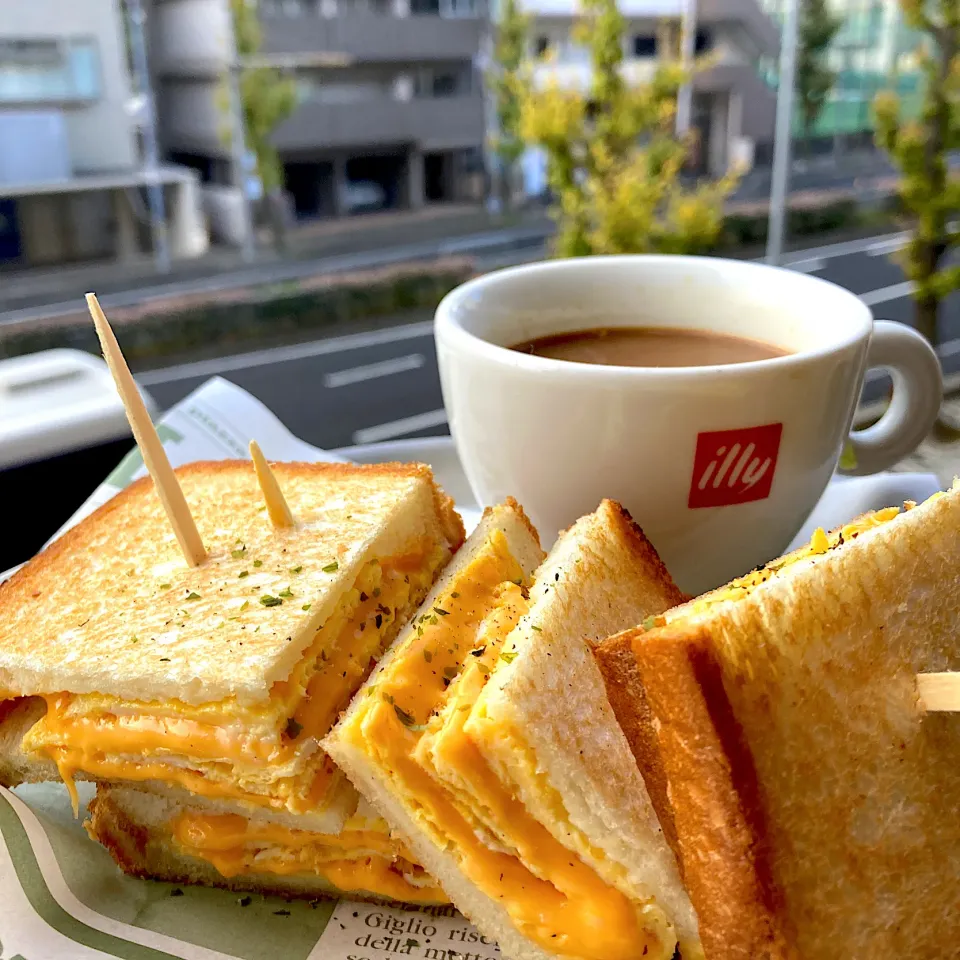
(101, 136)
(189, 34)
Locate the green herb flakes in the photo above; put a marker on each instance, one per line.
(508, 656)
(244, 573)
(296, 569)
(427, 655)
(269, 601)
(165, 586)
(306, 606)
(405, 718)
(286, 593)
(258, 563)
(193, 596)
(239, 552)
(331, 567)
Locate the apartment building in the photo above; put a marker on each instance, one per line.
(389, 104)
(71, 179)
(873, 50)
(733, 108)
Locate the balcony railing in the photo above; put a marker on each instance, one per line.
(433, 124)
(370, 36)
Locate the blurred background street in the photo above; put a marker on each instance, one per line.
(279, 192)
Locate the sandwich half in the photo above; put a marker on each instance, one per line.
(811, 800)
(150, 835)
(485, 738)
(211, 687)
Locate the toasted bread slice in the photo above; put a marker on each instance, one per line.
(153, 837)
(513, 783)
(120, 613)
(810, 795)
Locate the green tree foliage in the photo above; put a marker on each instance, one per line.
(613, 161)
(920, 148)
(267, 98)
(815, 79)
(505, 79)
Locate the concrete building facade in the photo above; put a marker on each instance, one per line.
(71, 182)
(874, 50)
(733, 109)
(389, 103)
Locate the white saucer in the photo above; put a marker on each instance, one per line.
(439, 453)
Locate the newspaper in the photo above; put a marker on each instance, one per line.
(63, 897)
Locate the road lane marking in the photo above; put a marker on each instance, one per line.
(807, 266)
(895, 291)
(297, 351)
(400, 428)
(884, 247)
(841, 249)
(372, 371)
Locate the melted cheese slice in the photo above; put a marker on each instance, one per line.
(363, 859)
(553, 897)
(266, 755)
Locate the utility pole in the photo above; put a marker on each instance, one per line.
(238, 137)
(485, 63)
(148, 129)
(688, 41)
(779, 184)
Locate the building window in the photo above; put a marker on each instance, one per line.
(541, 45)
(644, 45)
(45, 71)
(438, 82)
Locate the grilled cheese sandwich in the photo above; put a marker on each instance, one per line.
(213, 686)
(454, 738)
(778, 726)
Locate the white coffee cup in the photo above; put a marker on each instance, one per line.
(720, 465)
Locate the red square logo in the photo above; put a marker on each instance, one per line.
(734, 466)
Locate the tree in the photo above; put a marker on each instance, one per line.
(814, 79)
(920, 148)
(267, 98)
(613, 161)
(504, 79)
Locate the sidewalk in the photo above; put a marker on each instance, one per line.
(22, 288)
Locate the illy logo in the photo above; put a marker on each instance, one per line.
(734, 466)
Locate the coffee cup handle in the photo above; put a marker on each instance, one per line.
(917, 395)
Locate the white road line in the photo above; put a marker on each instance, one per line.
(399, 428)
(297, 351)
(372, 371)
(884, 247)
(807, 266)
(842, 249)
(885, 294)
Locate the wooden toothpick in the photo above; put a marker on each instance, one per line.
(279, 512)
(144, 432)
(939, 692)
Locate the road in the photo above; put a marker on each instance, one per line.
(383, 385)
